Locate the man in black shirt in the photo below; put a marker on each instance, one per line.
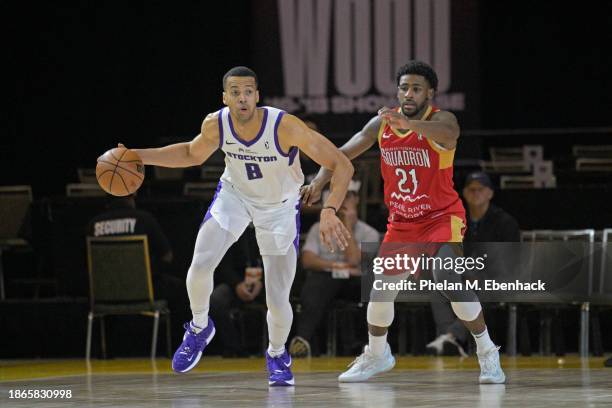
(123, 218)
(485, 223)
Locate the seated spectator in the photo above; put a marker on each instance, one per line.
(238, 281)
(330, 275)
(485, 223)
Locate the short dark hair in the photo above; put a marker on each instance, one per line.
(419, 68)
(239, 71)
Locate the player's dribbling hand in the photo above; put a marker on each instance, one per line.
(310, 193)
(332, 230)
(118, 145)
(394, 118)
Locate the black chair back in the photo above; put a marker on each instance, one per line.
(14, 205)
(119, 269)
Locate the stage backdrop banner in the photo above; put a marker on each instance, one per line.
(336, 60)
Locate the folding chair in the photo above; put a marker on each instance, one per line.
(587, 236)
(14, 205)
(120, 283)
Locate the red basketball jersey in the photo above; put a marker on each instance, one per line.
(418, 176)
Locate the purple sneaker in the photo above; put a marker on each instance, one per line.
(190, 351)
(278, 368)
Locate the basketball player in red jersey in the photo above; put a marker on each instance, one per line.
(417, 144)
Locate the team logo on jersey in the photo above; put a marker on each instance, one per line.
(243, 150)
(251, 157)
(406, 156)
(407, 197)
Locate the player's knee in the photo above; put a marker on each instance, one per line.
(450, 278)
(280, 314)
(277, 305)
(466, 311)
(201, 263)
(380, 313)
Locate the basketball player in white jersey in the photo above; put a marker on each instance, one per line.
(260, 184)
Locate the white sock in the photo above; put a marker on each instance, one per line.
(483, 342)
(275, 352)
(377, 344)
(199, 322)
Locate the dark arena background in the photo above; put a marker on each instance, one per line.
(529, 82)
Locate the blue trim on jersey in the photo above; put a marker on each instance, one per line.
(208, 213)
(221, 128)
(278, 148)
(292, 153)
(261, 130)
(296, 241)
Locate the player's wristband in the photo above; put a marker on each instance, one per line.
(331, 208)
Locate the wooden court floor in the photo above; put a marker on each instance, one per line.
(216, 382)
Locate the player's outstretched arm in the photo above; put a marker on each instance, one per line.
(185, 154)
(293, 132)
(443, 127)
(359, 143)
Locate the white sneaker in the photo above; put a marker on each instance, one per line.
(460, 349)
(490, 368)
(367, 365)
(437, 345)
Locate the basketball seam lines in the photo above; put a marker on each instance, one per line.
(101, 174)
(123, 168)
(110, 186)
(111, 153)
(124, 184)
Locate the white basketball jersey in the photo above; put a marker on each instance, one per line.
(259, 169)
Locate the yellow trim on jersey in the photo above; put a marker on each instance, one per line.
(380, 130)
(456, 226)
(446, 155)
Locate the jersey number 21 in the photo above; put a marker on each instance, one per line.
(401, 184)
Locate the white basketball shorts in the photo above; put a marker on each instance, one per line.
(277, 227)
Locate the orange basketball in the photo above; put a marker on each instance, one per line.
(120, 171)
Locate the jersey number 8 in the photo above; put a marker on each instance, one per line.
(253, 171)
